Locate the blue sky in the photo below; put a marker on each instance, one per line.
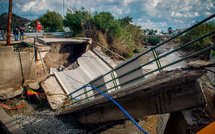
(152, 14)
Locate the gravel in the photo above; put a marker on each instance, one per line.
(46, 122)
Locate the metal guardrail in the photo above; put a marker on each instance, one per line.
(156, 59)
(48, 34)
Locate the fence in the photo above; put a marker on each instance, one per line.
(131, 71)
(49, 34)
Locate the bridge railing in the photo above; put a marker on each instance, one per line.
(129, 73)
(49, 34)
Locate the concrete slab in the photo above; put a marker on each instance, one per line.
(90, 67)
(105, 58)
(72, 80)
(60, 40)
(52, 71)
(93, 65)
(52, 87)
(163, 93)
(127, 68)
(9, 125)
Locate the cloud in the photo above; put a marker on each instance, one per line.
(153, 25)
(151, 13)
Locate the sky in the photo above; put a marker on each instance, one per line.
(151, 14)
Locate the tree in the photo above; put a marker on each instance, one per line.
(33, 23)
(127, 20)
(170, 30)
(104, 20)
(52, 21)
(77, 20)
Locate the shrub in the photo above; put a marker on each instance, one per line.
(153, 40)
(196, 33)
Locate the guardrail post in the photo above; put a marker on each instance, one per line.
(86, 95)
(114, 80)
(157, 60)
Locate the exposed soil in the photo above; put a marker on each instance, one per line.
(64, 54)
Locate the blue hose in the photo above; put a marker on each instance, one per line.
(121, 109)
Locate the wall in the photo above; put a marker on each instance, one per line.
(10, 67)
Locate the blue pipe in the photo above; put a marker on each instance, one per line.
(120, 108)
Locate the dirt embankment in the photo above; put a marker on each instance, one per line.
(63, 54)
(172, 42)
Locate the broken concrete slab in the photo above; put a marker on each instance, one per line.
(7, 93)
(33, 85)
(209, 74)
(63, 40)
(98, 51)
(9, 125)
(198, 63)
(92, 65)
(165, 93)
(72, 80)
(54, 92)
(52, 71)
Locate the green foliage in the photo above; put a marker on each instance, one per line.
(116, 34)
(33, 23)
(77, 20)
(136, 50)
(4, 28)
(150, 31)
(104, 20)
(196, 33)
(126, 20)
(153, 40)
(52, 21)
(116, 30)
(129, 55)
(213, 53)
(170, 31)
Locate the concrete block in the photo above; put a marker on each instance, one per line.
(54, 91)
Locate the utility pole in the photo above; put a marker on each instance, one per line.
(63, 9)
(9, 22)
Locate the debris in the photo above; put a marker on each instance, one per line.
(51, 86)
(198, 63)
(11, 92)
(33, 85)
(5, 106)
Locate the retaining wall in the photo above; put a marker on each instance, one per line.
(12, 63)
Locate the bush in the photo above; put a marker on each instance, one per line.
(116, 34)
(136, 50)
(196, 33)
(153, 40)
